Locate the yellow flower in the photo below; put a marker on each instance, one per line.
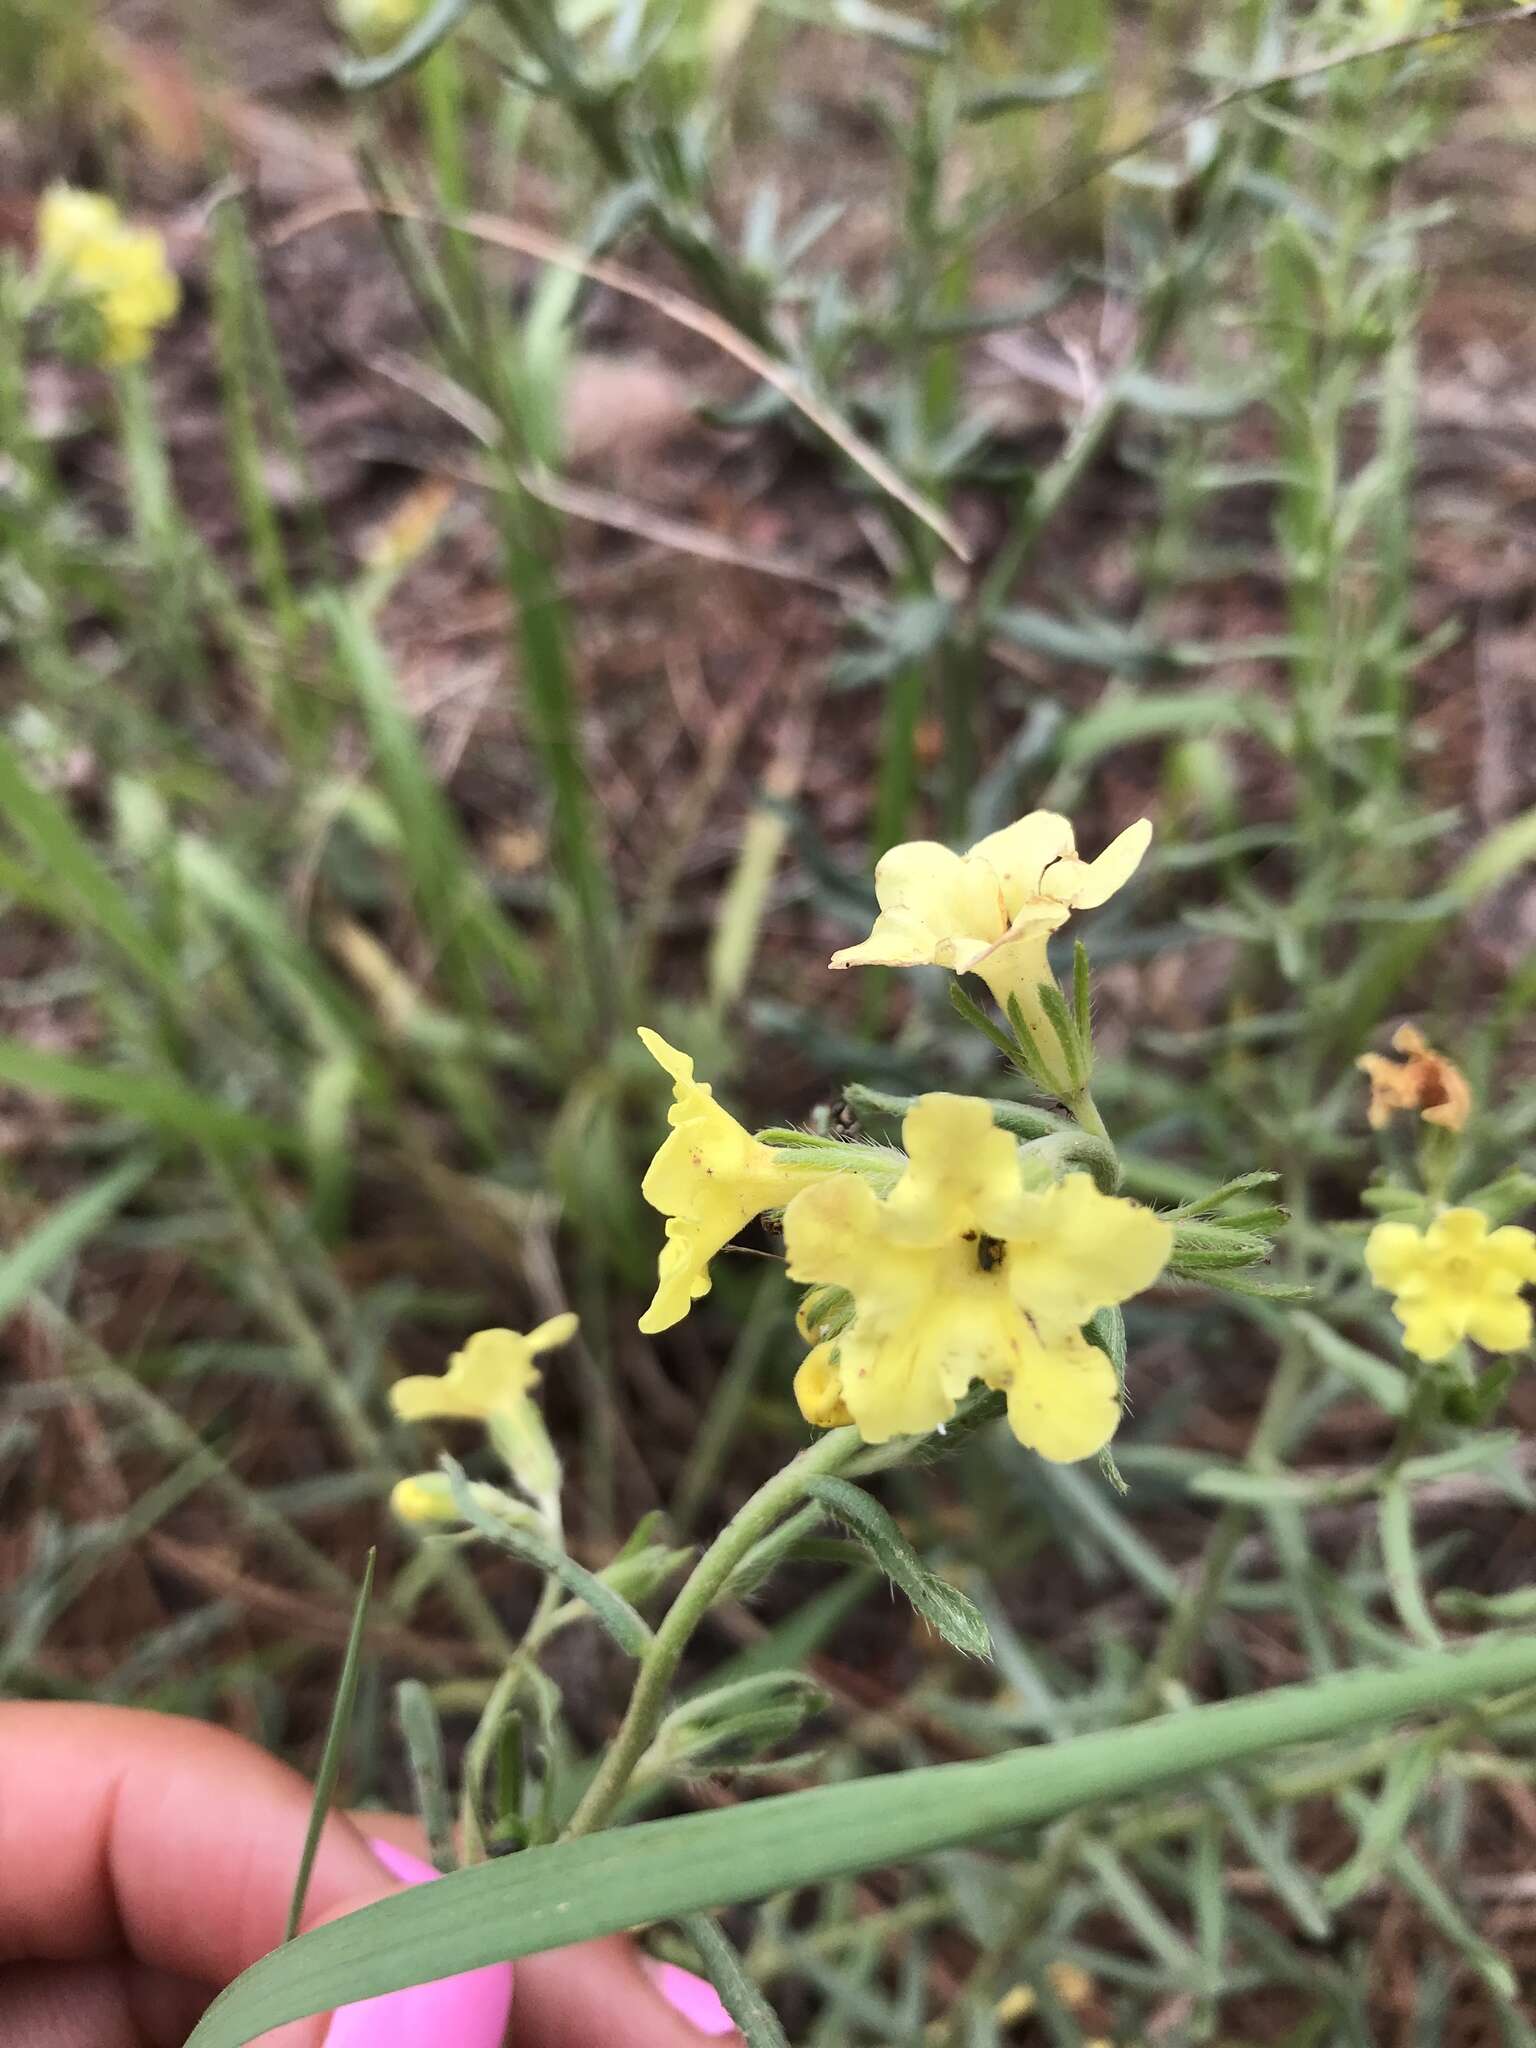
(710, 1178)
(1423, 1079)
(990, 911)
(1456, 1279)
(819, 1391)
(376, 24)
(86, 249)
(494, 1372)
(424, 1500)
(492, 1381)
(961, 1273)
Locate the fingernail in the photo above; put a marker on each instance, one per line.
(469, 2011)
(698, 2002)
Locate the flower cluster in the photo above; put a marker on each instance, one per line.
(962, 1273)
(961, 1261)
(88, 252)
(1455, 1279)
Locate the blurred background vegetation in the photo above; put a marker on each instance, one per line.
(836, 423)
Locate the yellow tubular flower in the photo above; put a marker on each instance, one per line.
(1422, 1079)
(961, 1274)
(710, 1178)
(87, 250)
(1454, 1280)
(492, 1374)
(492, 1381)
(990, 911)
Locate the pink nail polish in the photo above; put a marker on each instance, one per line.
(698, 2002)
(469, 2011)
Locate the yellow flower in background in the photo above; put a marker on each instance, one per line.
(493, 1372)
(1456, 1279)
(710, 1178)
(492, 1381)
(1422, 1079)
(377, 24)
(424, 1501)
(87, 250)
(960, 1274)
(991, 911)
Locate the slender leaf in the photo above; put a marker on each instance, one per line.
(605, 1882)
(940, 1604)
(335, 1746)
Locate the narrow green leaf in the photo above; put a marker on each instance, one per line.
(1201, 1205)
(150, 1099)
(974, 1015)
(1404, 1580)
(1106, 1329)
(1387, 1385)
(628, 1628)
(64, 1230)
(422, 1733)
(1082, 995)
(756, 2018)
(1385, 1823)
(1292, 1885)
(1073, 1049)
(940, 1604)
(70, 864)
(666, 1869)
(335, 1745)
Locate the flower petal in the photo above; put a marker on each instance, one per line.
(551, 1335)
(1391, 1252)
(937, 909)
(678, 1064)
(1458, 1230)
(1085, 885)
(1500, 1323)
(1513, 1249)
(1429, 1331)
(962, 1170)
(1073, 1250)
(1020, 854)
(1064, 1401)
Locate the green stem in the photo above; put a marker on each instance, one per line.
(480, 1748)
(747, 1527)
(1085, 1111)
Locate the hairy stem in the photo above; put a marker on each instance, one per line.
(755, 1520)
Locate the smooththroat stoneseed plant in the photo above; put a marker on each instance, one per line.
(972, 1274)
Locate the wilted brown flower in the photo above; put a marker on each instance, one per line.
(1422, 1079)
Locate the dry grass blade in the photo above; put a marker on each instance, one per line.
(672, 305)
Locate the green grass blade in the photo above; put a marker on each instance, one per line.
(335, 1744)
(756, 2018)
(29, 1262)
(670, 1868)
(149, 1099)
(48, 829)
